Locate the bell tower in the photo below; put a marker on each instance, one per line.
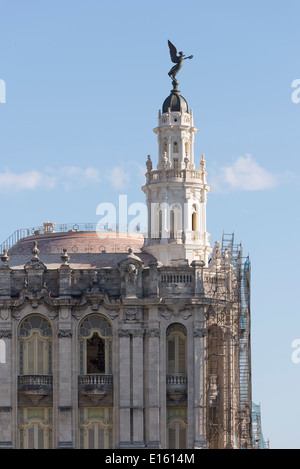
(176, 191)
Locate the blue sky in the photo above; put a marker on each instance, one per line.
(84, 81)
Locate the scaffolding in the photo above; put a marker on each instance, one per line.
(228, 384)
(242, 269)
(257, 434)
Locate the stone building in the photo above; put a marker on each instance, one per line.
(118, 340)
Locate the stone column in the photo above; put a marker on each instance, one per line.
(65, 381)
(65, 281)
(131, 388)
(199, 285)
(7, 416)
(6, 391)
(5, 273)
(138, 437)
(124, 388)
(153, 386)
(199, 386)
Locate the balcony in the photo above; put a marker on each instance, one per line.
(35, 387)
(177, 386)
(95, 387)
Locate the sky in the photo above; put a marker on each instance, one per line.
(81, 83)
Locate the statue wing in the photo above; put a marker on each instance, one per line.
(173, 52)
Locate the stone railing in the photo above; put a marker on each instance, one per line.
(35, 388)
(175, 278)
(177, 380)
(177, 386)
(95, 387)
(35, 381)
(95, 381)
(180, 174)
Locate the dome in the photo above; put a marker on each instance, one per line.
(175, 102)
(86, 249)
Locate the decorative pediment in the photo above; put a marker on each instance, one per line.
(34, 298)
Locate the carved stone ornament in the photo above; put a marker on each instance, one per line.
(200, 332)
(65, 333)
(131, 332)
(152, 332)
(175, 310)
(35, 298)
(5, 334)
(112, 314)
(124, 333)
(131, 314)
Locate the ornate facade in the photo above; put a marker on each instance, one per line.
(110, 340)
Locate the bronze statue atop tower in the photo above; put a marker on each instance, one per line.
(178, 60)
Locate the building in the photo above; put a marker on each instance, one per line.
(110, 340)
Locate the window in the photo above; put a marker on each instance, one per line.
(175, 147)
(194, 218)
(175, 221)
(95, 428)
(165, 146)
(177, 428)
(176, 349)
(35, 428)
(177, 435)
(35, 346)
(95, 345)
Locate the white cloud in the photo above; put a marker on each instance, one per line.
(118, 177)
(244, 174)
(28, 180)
(50, 178)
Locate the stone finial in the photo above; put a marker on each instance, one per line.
(35, 251)
(202, 163)
(165, 160)
(216, 254)
(149, 164)
(65, 257)
(5, 257)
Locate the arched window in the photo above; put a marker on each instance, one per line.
(177, 435)
(159, 223)
(165, 147)
(95, 345)
(175, 163)
(176, 349)
(175, 147)
(95, 428)
(35, 346)
(175, 221)
(35, 428)
(194, 218)
(177, 428)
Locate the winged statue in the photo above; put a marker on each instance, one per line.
(178, 59)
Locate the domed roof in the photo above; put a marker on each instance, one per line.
(86, 249)
(175, 102)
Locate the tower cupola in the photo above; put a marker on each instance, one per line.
(175, 190)
(175, 102)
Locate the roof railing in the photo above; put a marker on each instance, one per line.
(48, 227)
